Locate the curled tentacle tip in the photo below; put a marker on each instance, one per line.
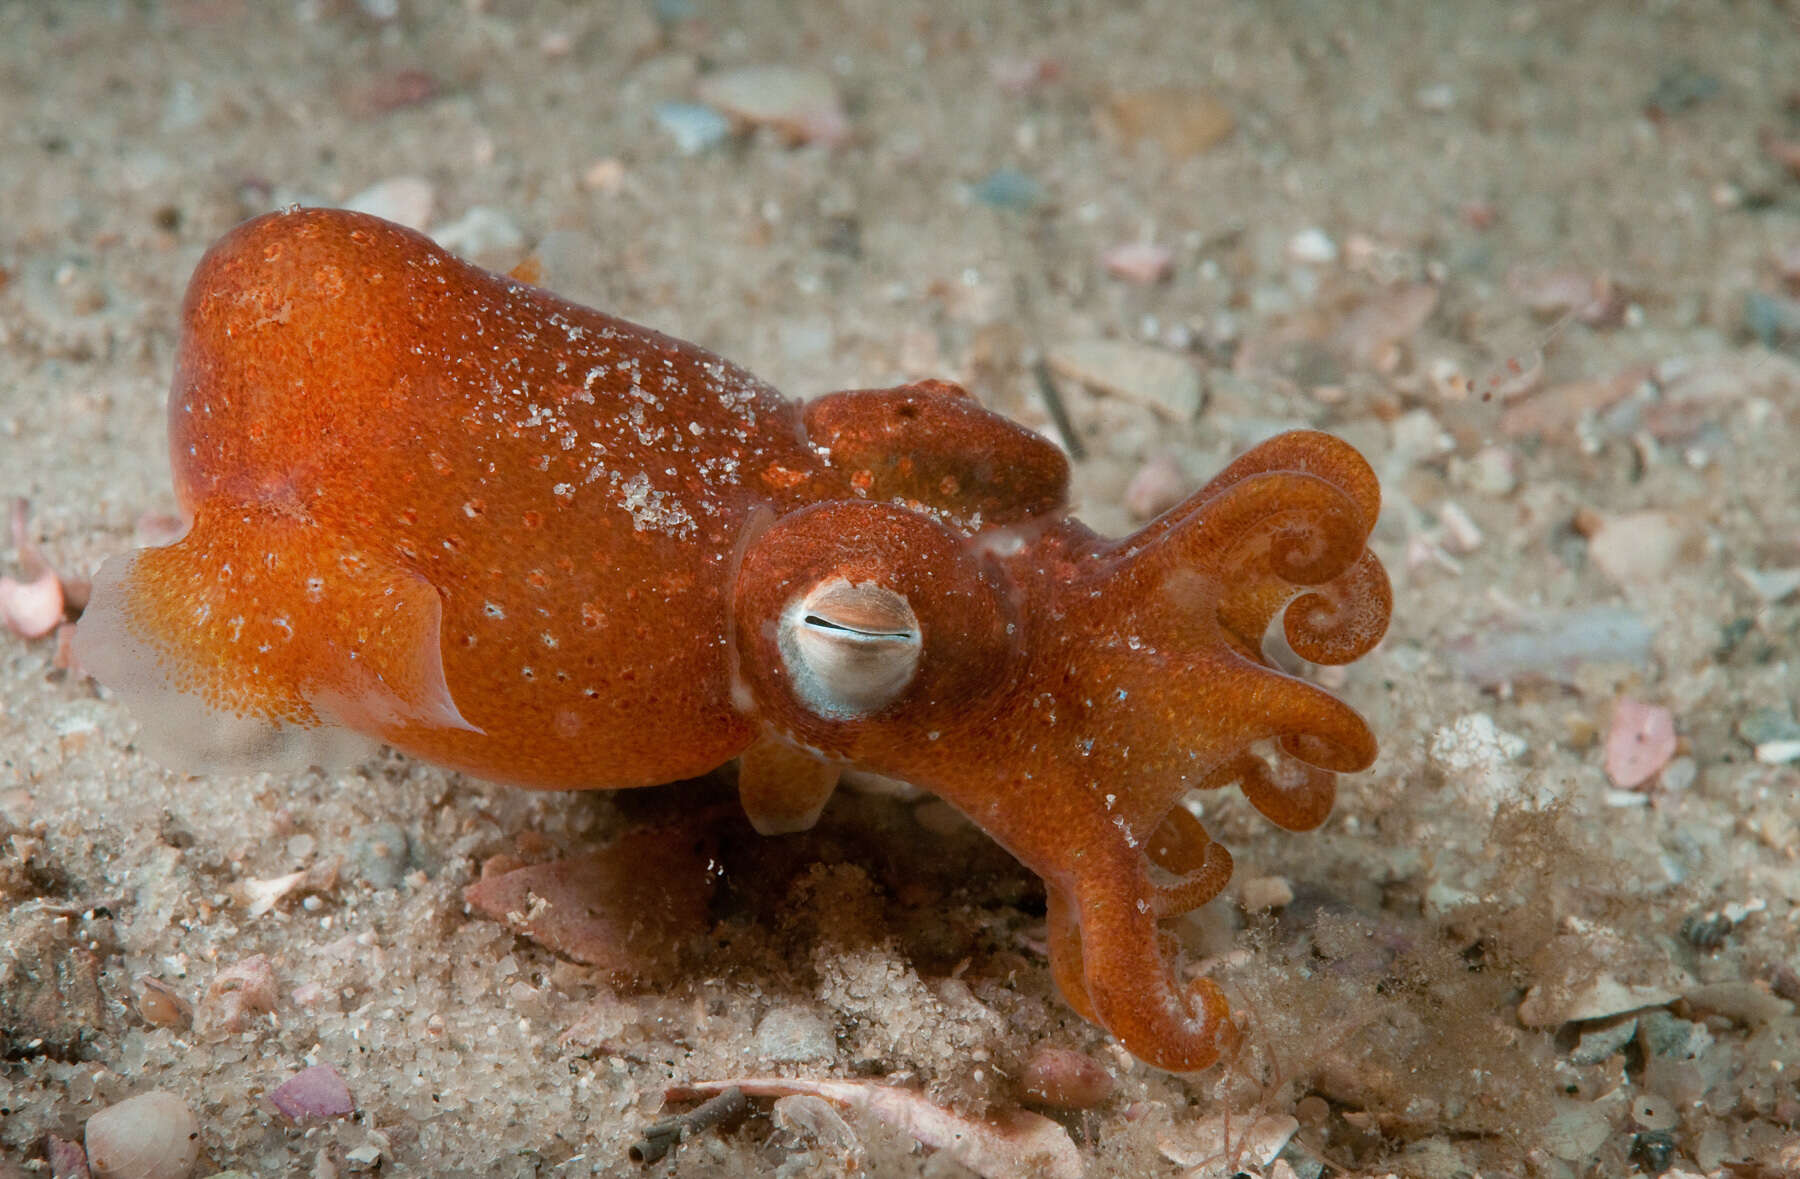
(1209, 1035)
(1343, 620)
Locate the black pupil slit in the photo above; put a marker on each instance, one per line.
(828, 624)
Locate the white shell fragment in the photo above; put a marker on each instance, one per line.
(1219, 1146)
(803, 104)
(150, 1136)
(1162, 381)
(849, 648)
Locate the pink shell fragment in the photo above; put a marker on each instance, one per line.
(316, 1092)
(1640, 742)
(1139, 262)
(67, 1159)
(1159, 485)
(604, 909)
(1066, 1079)
(31, 609)
(1022, 75)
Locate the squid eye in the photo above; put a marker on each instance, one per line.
(849, 649)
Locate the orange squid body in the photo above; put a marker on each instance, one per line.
(446, 510)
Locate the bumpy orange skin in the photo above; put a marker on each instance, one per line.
(447, 510)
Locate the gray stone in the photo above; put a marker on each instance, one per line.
(380, 855)
(794, 1035)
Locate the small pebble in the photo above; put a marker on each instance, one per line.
(1157, 486)
(1596, 1044)
(1679, 774)
(1458, 533)
(1262, 893)
(163, 1005)
(1774, 734)
(1638, 548)
(1139, 262)
(1575, 1132)
(363, 1158)
(1639, 743)
(1672, 1037)
(1418, 437)
(407, 200)
(1184, 122)
(380, 855)
(483, 235)
(1008, 188)
(1018, 76)
(238, 994)
(1436, 98)
(693, 127)
(1654, 1150)
(1651, 1112)
(605, 175)
(67, 1160)
(1312, 246)
(1773, 319)
(1771, 585)
(793, 1035)
(1684, 86)
(150, 1136)
(315, 1092)
(1492, 471)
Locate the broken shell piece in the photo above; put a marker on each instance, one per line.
(31, 609)
(238, 993)
(1005, 1144)
(603, 909)
(813, 1118)
(316, 1092)
(1151, 377)
(1639, 548)
(260, 896)
(1591, 299)
(1139, 262)
(1219, 1145)
(67, 1160)
(1594, 973)
(150, 1136)
(1066, 1079)
(802, 104)
(1312, 246)
(1640, 742)
(850, 648)
(162, 1005)
(1459, 534)
(1770, 585)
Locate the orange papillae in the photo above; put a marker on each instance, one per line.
(444, 509)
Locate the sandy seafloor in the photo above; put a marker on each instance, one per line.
(1492, 960)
